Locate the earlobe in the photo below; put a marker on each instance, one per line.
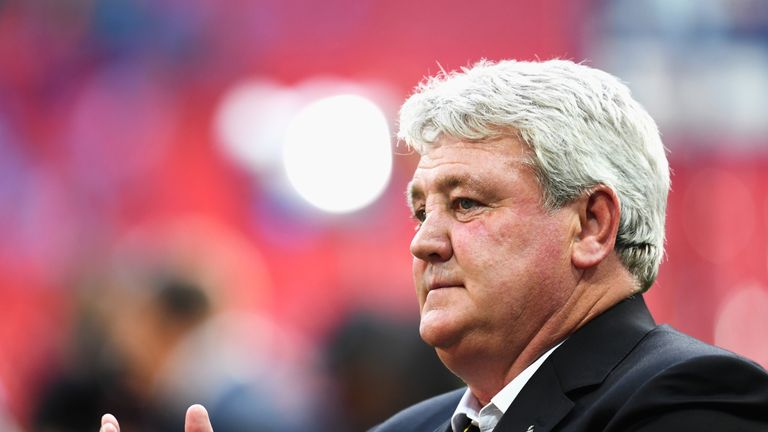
(599, 213)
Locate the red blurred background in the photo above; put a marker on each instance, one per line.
(107, 133)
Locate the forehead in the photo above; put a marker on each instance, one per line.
(452, 164)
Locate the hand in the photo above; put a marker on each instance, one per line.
(109, 424)
(196, 420)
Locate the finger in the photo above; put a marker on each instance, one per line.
(197, 420)
(109, 424)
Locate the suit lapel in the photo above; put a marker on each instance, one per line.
(593, 351)
(585, 358)
(539, 406)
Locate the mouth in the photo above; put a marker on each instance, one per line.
(441, 285)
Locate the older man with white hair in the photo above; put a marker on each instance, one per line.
(540, 201)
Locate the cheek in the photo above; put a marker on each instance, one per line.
(486, 243)
(474, 236)
(504, 249)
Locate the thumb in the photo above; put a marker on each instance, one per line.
(197, 420)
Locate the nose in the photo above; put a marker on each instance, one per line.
(432, 241)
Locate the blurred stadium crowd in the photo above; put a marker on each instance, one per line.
(143, 267)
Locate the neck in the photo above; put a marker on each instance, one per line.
(489, 372)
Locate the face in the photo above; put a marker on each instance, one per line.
(490, 263)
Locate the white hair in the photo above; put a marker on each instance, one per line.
(583, 127)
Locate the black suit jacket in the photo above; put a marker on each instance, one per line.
(621, 372)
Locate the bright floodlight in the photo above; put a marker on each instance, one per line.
(250, 123)
(337, 153)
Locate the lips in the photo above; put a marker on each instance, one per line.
(441, 284)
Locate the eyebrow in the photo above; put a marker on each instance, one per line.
(449, 182)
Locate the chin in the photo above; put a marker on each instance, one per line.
(439, 333)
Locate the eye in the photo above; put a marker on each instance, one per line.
(420, 215)
(465, 204)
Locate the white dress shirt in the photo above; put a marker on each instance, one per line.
(487, 417)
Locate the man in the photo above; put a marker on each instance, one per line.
(540, 201)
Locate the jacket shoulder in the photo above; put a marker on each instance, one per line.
(424, 416)
(674, 378)
(665, 348)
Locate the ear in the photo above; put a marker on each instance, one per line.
(599, 213)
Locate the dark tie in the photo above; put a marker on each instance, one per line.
(471, 427)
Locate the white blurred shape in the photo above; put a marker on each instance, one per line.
(251, 121)
(337, 153)
(742, 323)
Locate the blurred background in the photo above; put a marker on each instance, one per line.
(202, 200)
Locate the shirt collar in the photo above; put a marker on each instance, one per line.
(489, 415)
